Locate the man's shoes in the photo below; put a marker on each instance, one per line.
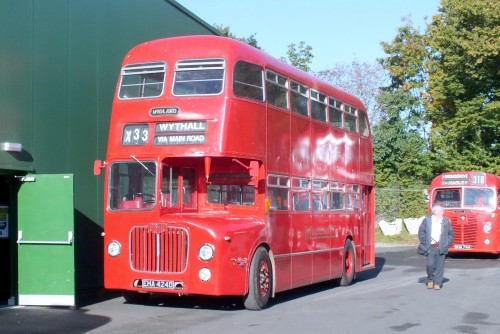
(430, 285)
(437, 287)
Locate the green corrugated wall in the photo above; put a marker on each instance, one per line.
(59, 63)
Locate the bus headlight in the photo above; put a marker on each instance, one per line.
(487, 227)
(486, 241)
(205, 274)
(206, 252)
(114, 248)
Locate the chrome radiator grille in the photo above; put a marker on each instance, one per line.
(158, 248)
(465, 231)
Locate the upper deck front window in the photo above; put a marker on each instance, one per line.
(199, 77)
(142, 80)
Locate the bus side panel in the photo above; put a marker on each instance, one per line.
(337, 220)
(280, 243)
(302, 259)
(352, 157)
(320, 135)
(244, 128)
(365, 161)
(301, 147)
(321, 235)
(337, 156)
(278, 145)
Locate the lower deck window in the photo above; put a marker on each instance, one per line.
(171, 193)
(231, 194)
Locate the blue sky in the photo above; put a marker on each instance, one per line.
(338, 31)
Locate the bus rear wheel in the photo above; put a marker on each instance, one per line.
(349, 270)
(260, 281)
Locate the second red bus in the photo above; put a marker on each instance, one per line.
(471, 201)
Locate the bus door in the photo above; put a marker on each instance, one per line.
(45, 240)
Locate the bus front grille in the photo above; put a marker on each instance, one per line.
(465, 231)
(158, 248)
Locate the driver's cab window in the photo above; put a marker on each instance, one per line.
(132, 185)
(448, 198)
(173, 196)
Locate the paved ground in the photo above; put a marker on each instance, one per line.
(389, 299)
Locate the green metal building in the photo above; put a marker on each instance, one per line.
(59, 63)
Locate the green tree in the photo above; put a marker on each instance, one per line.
(463, 92)
(226, 31)
(400, 138)
(299, 56)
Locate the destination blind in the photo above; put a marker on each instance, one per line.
(180, 133)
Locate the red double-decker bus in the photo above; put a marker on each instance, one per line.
(471, 200)
(229, 172)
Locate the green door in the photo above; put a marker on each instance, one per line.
(45, 240)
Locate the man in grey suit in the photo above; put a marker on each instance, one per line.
(436, 236)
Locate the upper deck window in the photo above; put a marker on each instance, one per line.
(351, 123)
(300, 98)
(277, 90)
(363, 124)
(248, 81)
(142, 80)
(199, 77)
(335, 110)
(318, 106)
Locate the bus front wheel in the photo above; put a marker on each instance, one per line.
(348, 270)
(260, 281)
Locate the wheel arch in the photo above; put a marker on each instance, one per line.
(266, 246)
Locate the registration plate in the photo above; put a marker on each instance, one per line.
(463, 247)
(149, 283)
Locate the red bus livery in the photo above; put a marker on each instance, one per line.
(229, 172)
(471, 201)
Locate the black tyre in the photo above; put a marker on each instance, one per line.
(260, 281)
(349, 270)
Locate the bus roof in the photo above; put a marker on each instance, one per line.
(206, 46)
